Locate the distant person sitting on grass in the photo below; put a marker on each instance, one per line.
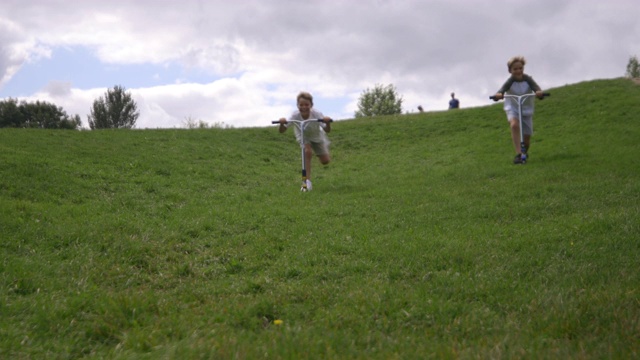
(519, 83)
(315, 134)
(420, 108)
(454, 103)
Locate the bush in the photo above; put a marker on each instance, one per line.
(633, 68)
(381, 100)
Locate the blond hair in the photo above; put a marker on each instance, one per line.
(304, 95)
(516, 59)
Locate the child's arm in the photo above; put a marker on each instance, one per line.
(283, 125)
(327, 124)
(503, 89)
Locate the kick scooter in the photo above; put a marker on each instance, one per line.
(302, 124)
(520, 99)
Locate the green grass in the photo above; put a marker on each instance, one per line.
(420, 239)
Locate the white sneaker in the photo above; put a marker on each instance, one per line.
(309, 186)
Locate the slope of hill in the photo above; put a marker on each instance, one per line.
(419, 240)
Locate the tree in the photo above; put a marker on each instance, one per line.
(633, 68)
(381, 100)
(40, 114)
(115, 110)
(47, 116)
(10, 114)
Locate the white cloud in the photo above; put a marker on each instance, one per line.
(260, 54)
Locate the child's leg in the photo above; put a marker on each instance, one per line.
(324, 158)
(322, 150)
(514, 124)
(527, 129)
(308, 154)
(527, 141)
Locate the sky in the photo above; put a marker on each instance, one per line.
(241, 63)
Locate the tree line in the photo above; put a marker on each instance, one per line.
(39, 114)
(116, 109)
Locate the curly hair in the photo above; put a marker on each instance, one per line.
(305, 95)
(515, 59)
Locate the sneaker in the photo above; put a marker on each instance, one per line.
(517, 159)
(309, 186)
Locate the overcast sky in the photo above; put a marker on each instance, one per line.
(242, 62)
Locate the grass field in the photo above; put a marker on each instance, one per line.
(420, 240)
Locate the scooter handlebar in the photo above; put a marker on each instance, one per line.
(493, 97)
(319, 120)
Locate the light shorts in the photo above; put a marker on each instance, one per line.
(527, 122)
(320, 148)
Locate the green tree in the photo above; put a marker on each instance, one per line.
(381, 100)
(633, 68)
(10, 114)
(115, 110)
(40, 114)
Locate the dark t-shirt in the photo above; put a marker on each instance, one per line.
(454, 104)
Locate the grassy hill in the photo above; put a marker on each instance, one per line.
(420, 240)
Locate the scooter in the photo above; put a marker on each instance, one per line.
(302, 124)
(520, 99)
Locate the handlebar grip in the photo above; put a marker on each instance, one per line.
(276, 122)
(544, 95)
(322, 120)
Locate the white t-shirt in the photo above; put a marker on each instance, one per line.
(513, 87)
(313, 129)
(511, 104)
